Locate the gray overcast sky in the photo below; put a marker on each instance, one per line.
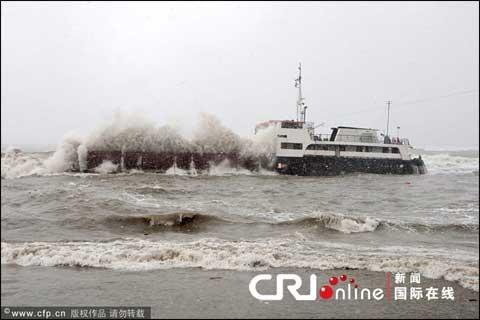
(68, 66)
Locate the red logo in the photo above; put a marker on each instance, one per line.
(326, 291)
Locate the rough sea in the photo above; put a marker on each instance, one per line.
(233, 219)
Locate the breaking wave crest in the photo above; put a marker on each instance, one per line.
(338, 222)
(349, 224)
(16, 164)
(67, 157)
(175, 220)
(130, 132)
(447, 163)
(180, 221)
(214, 253)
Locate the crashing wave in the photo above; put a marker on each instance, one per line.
(130, 132)
(446, 163)
(178, 221)
(340, 223)
(214, 253)
(16, 164)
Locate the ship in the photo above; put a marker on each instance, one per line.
(297, 150)
(300, 151)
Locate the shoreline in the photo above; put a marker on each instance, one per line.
(198, 293)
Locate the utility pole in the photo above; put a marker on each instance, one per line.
(388, 114)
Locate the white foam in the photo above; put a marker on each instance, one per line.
(106, 167)
(16, 164)
(174, 170)
(445, 163)
(214, 253)
(82, 152)
(346, 224)
(224, 168)
(65, 157)
(261, 144)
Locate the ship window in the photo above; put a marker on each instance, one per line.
(359, 149)
(342, 148)
(367, 149)
(366, 138)
(295, 146)
(395, 150)
(292, 125)
(320, 147)
(386, 150)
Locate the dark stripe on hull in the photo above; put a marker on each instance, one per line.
(306, 166)
(161, 161)
(329, 165)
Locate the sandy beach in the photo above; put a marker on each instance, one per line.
(197, 293)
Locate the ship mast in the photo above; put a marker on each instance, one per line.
(300, 104)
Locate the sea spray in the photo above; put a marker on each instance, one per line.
(260, 146)
(448, 163)
(82, 152)
(65, 157)
(106, 167)
(129, 132)
(17, 164)
(212, 137)
(135, 133)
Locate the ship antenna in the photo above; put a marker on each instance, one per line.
(388, 115)
(300, 103)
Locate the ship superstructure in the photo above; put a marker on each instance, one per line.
(299, 151)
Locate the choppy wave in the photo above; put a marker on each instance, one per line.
(446, 163)
(176, 219)
(16, 164)
(332, 222)
(337, 222)
(348, 224)
(214, 253)
(66, 158)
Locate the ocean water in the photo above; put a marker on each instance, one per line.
(233, 219)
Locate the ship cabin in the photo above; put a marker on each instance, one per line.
(298, 139)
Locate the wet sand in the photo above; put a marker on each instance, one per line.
(196, 293)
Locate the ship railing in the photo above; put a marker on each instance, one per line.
(361, 139)
(403, 141)
(396, 140)
(356, 138)
(321, 137)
